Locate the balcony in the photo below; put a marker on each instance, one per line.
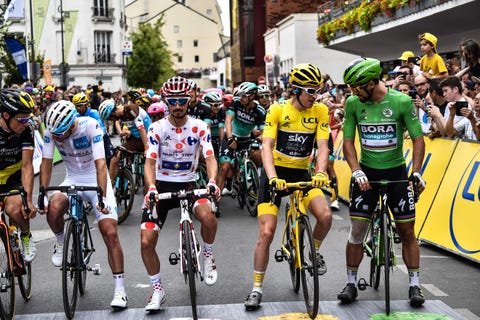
(103, 14)
(103, 57)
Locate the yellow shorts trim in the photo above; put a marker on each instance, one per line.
(267, 208)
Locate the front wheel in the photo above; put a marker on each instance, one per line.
(25, 279)
(70, 269)
(290, 243)
(191, 268)
(251, 187)
(387, 242)
(309, 269)
(124, 194)
(7, 279)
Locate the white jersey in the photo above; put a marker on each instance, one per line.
(80, 150)
(176, 150)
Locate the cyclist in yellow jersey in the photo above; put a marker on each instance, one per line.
(291, 127)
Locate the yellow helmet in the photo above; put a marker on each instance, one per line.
(80, 99)
(305, 74)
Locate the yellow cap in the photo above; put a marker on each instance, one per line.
(48, 88)
(405, 55)
(430, 38)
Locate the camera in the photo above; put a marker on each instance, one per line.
(413, 60)
(459, 105)
(413, 94)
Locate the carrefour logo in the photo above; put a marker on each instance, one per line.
(465, 208)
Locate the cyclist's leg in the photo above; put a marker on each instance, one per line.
(225, 165)
(203, 211)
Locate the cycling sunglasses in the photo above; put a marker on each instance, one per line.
(23, 120)
(181, 101)
(310, 91)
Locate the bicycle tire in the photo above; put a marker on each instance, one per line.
(240, 181)
(138, 174)
(70, 271)
(25, 279)
(124, 195)
(375, 262)
(289, 239)
(191, 267)
(202, 176)
(85, 249)
(309, 270)
(7, 278)
(386, 259)
(251, 188)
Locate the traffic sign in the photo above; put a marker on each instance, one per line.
(127, 48)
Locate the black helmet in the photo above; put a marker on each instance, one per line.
(15, 101)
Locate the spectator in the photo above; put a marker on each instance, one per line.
(431, 64)
(421, 85)
(408, 59)
(470, 51)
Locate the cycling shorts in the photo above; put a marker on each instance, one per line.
(400, 196)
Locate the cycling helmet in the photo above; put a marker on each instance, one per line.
(157, 107)
(150, 92)
(227, 99)
(305, 74)
(133, 95)
(212, 98)
(106, 108)
(263, 89)
(80, 99)
(193, 84)
(361, 71)
(143, 101)
(60, 116)
(14, 101)
(246, 88)
(177, 86)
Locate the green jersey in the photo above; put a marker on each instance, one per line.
(381, 126)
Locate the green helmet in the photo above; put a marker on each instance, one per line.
(361, 71)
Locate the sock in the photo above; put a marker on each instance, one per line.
(207, 250)
(119, 278)
(258, 281)
(156, 282)
(60, 237)
(414, 277)
(317, 244)
(352, 275)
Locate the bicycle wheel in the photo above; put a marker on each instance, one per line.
(251, 188)
(289, 242)
(375, 261)
(25, 279)
(191, 266)
(85, 251)
(309, 271)
(240, 182)
(386, 259)
(202, 176)
(70, 271)
(7, 279)
(124, 194)
(138, 173)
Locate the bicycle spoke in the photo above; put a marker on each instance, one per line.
(7, 279)
(309, 271)
(191, 265)
(70, 272)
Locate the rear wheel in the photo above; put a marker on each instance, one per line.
(251, 188)
(7, 279)
(191, 267)
(70, 271)
(86, 251)
(124, 194)
(25, 279)
(309, 270)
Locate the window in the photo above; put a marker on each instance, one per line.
(195, 43)
(102, 45)
(197, 58)
(179, 43)
(180, 59)
(176, 29)
(100, 8)
(209, 12)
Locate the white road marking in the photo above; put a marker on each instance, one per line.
(434, 290)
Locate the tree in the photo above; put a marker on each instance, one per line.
(150, 65)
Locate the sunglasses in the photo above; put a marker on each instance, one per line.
(357, 89)
(61, 134)
(180, 101)
(215, 105)
(245, 95)
(23, 120)
(310, 91)
(266, 96)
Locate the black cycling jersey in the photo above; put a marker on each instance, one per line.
(199, 111)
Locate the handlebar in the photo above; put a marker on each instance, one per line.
(123, 149)
(297, 185)
(23, 194)
(70, 190)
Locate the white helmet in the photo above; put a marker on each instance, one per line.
(60, 116)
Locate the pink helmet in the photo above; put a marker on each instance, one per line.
(157, 107)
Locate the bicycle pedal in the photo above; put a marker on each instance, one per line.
(362, 284)
(173, 258)
(279, 255)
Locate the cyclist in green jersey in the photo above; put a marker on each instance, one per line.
(380, 116)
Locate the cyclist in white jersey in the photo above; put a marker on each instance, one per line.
(174, 147)
(80, 143)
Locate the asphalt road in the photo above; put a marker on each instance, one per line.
(446, 278)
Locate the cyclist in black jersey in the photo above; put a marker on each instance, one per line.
(16, 163)
(216, 120)
(263, 96)
(197, 109)
(244, 117)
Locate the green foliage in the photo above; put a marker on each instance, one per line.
(150, 65)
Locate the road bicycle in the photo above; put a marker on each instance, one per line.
(78, 244)
(189, 251)
(245, 179)
(124, 184)
(298, 248)
(201, 176)
(137, 163)
(12, 263)
(380, 239)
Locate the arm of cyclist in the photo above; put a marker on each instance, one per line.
(417, 159)
(320, 178)
(101, 166)
(268, 165)
(229, 131)
(149, 174)
(27, 181)
(45, 176)
(351, 156)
